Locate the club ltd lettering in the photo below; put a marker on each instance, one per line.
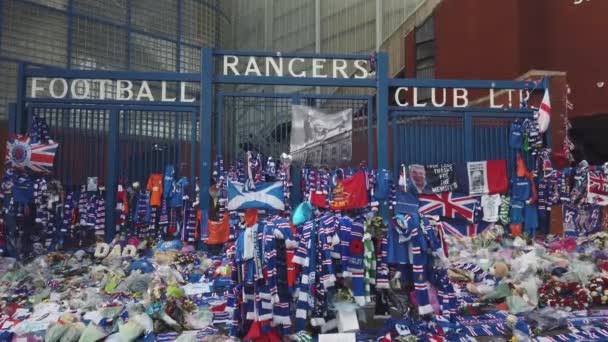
(459, 98)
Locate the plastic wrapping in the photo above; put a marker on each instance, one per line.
(199, 319)
(137, 282)
(580, 271)
(54, 333)
(547, 319)
(73, 333)
(130, 331)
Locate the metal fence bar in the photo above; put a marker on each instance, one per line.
(112, 181)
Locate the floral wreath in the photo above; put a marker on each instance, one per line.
(598, 288)
(571, 295)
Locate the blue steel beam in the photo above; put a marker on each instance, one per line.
(21, 89)
(113, 75)
(291, 95)
(500, 115)
(112, 175)
(295, 81)
(111, 102)
(467, 84)
(418, 110)
(382, 114)
(257, 53)
(206, 119)
(68, 105)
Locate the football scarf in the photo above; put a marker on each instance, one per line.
(581, 220)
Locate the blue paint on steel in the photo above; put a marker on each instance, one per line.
(21, 87)
(180, 106)
(113, 75)
(382, 108)
(395, 146)
(193, 141)
(151, 108)
(219, 123)
(382, 84)
(451, 110)
(370, 133)
(305, 55)
(206, 117)
(112, 179)
(468, 137)
(295, 95)
(454, 114)
(12, 117)
(295, 81)
(468, 84)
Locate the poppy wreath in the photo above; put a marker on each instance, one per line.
(598, 288)
(356, 247)
(184, 258)
(569, 295)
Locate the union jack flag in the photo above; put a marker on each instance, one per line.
(449, 204)
(23, 154)
(461, 228)
(597, 188)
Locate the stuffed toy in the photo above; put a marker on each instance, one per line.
(500, 270)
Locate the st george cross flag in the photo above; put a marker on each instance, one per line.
(22, 154)
(597, 188)
(544, 113)
(449, 204)
(265, 196)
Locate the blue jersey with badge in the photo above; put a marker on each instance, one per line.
(23, 189)
(517, 212)
(168, 181)
(179, 190)
(520, 189)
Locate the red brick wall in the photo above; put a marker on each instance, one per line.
(480, 39)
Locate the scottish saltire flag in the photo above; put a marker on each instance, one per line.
(449, 204)
(22, 154)
(460, 228)
(265, 196)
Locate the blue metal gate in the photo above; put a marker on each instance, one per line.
(262, 122)
(148, 139)
(117, 139)
(420, 137)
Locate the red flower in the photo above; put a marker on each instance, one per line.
(356, 247)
